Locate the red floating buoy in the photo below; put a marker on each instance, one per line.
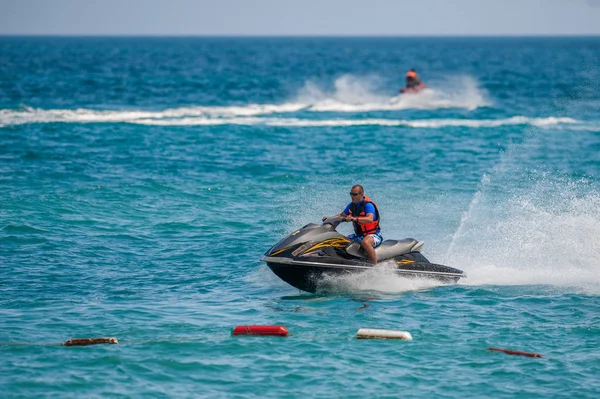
(279, 331)
(519, 353)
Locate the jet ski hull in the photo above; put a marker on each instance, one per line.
(413, 90)
(307, 275)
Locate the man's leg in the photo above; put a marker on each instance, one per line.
(367, 243)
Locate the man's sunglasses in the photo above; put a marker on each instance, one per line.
(353, 194)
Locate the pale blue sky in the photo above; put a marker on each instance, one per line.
(305, 17)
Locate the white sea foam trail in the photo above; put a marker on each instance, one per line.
(349, 94)
(200, 117)
(424, 123)
(82, 115)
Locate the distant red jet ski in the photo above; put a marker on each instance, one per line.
(413, 90)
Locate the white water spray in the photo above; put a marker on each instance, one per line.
(530, 227)
(382, 279)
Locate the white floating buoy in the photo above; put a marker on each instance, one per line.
(367, 333)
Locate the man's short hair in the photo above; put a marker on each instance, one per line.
(362, 190)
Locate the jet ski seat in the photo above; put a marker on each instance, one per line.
(387, 249)
(390, 248)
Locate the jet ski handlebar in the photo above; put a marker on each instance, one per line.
(334, 220)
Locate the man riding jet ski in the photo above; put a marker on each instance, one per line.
(413, 83)
(364, 215)
(305, 256)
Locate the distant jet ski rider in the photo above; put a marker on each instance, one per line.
(412, 79)
(413, 83)
(364, 215)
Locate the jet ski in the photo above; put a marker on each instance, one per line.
(413, 90)
(305, 256)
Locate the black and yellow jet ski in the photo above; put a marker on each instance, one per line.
(305, 256)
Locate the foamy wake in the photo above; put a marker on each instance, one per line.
(349, 94)
(198, 117)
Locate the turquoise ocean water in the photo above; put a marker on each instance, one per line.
(142, 179)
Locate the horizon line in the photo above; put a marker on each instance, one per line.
(168, 35)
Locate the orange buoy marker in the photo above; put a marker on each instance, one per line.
(89, 341)
(519, 353)
(369, 333)
(279, 331)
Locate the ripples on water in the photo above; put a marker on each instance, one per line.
(142, 179)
